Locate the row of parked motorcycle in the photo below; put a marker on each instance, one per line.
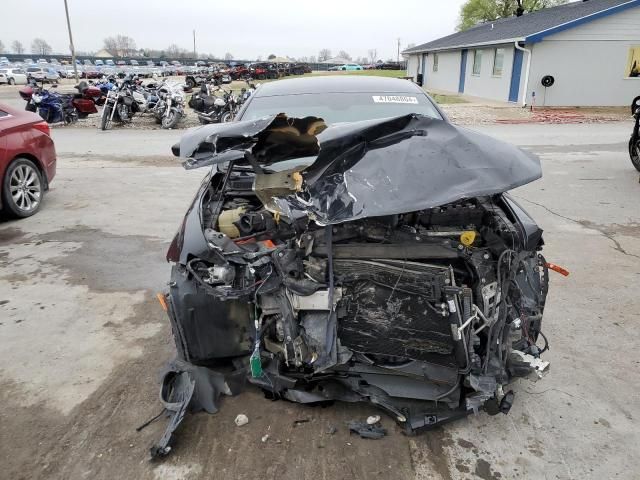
(122, 99)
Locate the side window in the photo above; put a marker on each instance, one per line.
(435, 62)
(3, 114)
(18, 70)
(477, 62)
(498, 61)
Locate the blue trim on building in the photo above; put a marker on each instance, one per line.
(537, 37)
(516, 74)
(463, 69)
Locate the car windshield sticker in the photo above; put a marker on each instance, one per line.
(394, 99)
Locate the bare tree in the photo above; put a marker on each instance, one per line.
(228, 56)
(17, 47)
(120, 46)
(110, 44)
(312, 59)
(1, 47)
(126, 46)
(40, 46)
(373, 55)
(172, 50)
(325, 54)
(271, 56)
(345, 55)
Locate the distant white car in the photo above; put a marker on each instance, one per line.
(13, 76)
(43, 74)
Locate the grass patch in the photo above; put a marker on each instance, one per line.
(447, 99)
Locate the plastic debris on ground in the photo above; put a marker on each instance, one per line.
(241, 420)
(373, 419)
(367, 431)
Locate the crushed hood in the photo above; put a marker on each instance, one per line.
(369, 168)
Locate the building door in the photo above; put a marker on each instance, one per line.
(423, 81)
(516, 72)
(463, 70)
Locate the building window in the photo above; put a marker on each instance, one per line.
(477, 62)
(498, 61)
(435, 62)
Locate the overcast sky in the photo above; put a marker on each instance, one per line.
(245, 28)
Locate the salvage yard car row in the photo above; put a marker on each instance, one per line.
(52, 72)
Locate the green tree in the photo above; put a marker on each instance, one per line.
(474, 12)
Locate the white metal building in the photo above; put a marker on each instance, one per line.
(589, 50)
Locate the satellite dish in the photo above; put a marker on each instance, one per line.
(548, 81)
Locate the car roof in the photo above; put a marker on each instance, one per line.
(341, 84)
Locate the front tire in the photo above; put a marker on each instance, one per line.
(12, 81)
(105, 121)
(22, 189)
(225, 117)
(171, 120)
(634, 153)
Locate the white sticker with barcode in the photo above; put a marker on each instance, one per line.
(394, 99)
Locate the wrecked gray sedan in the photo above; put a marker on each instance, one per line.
(374, 261)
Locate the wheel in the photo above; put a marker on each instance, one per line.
(190, 83)
(635, 105)
(12, 81)
(105, 121)
(343, 69)
(70, 116)
(225, 117)
(171, 120)
(22, 188)
(634, 153)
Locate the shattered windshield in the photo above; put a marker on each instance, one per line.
(342, 107)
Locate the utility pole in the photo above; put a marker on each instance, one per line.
(398, 58)
(71, 47)
(195, 55)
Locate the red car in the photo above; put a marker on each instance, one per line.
(27, 161)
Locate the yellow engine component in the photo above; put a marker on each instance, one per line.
(467, 238)
(226, 219)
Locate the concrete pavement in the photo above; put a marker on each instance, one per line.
(83, 338)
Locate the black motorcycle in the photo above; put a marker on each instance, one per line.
(212, 108)
(120, 105)
(634, 142)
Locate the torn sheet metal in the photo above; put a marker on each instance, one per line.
(269, 140)
(369, 168)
